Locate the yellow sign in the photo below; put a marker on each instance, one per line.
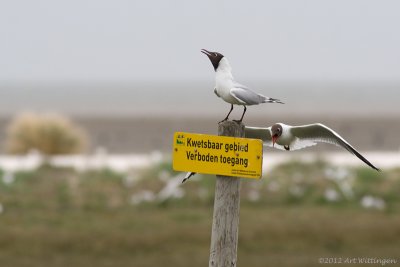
(222, 155)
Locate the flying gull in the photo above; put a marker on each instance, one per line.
(283, 136)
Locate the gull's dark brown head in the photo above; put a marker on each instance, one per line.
(214, 57)
(276, 132)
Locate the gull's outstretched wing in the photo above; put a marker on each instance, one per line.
(258, 133)
(320, 133)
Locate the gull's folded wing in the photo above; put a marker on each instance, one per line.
(246, 96)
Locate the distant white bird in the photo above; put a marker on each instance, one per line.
(288, 137)
(230, 90)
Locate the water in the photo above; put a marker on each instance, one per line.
(198, 99)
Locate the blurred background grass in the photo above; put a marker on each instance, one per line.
(291, 217)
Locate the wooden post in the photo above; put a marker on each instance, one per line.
(225, 227)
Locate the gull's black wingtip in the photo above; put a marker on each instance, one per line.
(188, 175)
(373, 167)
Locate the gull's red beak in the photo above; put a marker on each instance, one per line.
(274, 138)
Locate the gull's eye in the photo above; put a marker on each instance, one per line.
(215, 54)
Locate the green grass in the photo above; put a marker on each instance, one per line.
(294, 236)
(60, 217)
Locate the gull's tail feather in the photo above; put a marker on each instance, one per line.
(271, 100)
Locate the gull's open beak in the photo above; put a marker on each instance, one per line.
(274, 138)
(205, 52)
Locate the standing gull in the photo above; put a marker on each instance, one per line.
(231, 91)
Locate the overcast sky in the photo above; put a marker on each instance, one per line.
(141, 41)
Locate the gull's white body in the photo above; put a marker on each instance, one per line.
(224, 82)
(286, 139)
(290, 140)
